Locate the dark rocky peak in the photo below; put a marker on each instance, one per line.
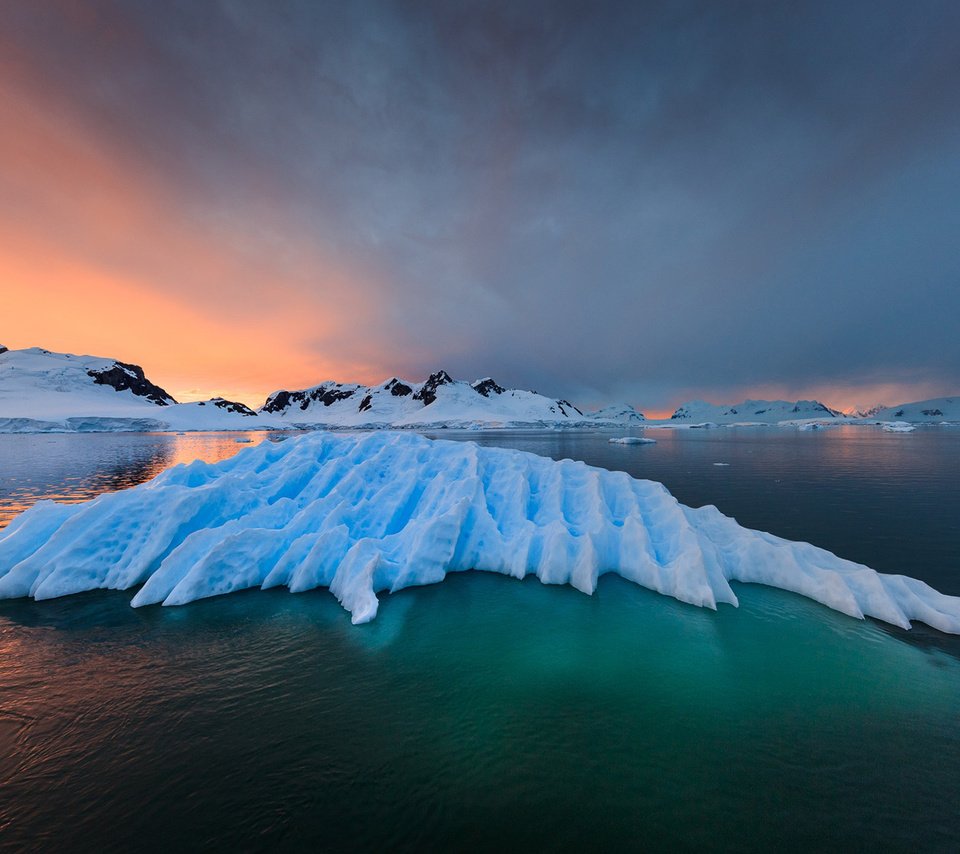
(487, 386)
(325, 394)
(398, 389)
(815, 406)
(124, 377)
(565, 405)
(428, 391)
(330, 394)
(280, 400)
(3, 349)
(232, 406)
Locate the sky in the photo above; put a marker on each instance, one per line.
(639, 202)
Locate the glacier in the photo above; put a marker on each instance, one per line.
(367, 513)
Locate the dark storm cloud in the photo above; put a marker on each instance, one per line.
(612, 198)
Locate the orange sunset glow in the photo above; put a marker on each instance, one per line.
(98, 256)
(479, 425)
(235, 254)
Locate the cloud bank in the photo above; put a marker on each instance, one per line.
(615, 200)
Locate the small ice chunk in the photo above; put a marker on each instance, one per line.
(632, 440)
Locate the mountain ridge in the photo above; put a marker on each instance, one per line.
(41, 390)
(753, 411)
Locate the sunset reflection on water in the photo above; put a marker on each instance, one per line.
(110, 462)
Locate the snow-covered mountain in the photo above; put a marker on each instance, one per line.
(31, 377)
(617, 415)
(752, 411)
(438, 401)
(922, 411)
(860, 411)
(43, 391)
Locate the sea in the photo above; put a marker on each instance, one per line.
(490, 714)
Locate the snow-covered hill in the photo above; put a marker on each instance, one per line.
(42, 391)
(617, 415)
(922, 411)
(751, 412)
(438, 401)
(39, 383)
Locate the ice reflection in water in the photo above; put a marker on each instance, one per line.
(495, 714)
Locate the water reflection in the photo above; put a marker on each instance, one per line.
(73, 468)
(264, 720)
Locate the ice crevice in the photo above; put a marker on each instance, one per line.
(377, 512)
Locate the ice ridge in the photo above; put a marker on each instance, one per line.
(363, 514)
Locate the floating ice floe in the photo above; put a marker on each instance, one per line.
(632, 440)
(898, 427)
(383, 511)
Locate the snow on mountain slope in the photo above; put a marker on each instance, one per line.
(42, 391)
(751, 411)
(617, 415)
(861, 411)
(36, 383)
(438, 401)
(361, 514)
(922, 411)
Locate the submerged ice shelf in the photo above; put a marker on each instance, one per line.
(383, 511)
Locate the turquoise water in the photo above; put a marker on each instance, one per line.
(485, 713)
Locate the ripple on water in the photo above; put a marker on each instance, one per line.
(486, 712)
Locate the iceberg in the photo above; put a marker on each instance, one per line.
(632, 440)
(898, 427)
(363, 514)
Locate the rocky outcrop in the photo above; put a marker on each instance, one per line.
(399, 389)
(282, 400)
(229, 406)
(566, 407)
(428, 391)
(488, 386)
(125, 377)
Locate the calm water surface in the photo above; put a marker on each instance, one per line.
(486, 713)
